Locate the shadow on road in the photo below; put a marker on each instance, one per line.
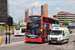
(73, 40)
(57, 43)
(19, 35)
(34, 43)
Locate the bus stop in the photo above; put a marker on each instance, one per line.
(71, 27)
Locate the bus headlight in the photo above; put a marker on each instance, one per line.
(41, 30)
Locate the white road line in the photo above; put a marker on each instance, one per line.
(5, 36)
(71, 40)
(71, 34)
(12, 43)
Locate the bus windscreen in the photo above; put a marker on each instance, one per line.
(23, 30)
(34, 25)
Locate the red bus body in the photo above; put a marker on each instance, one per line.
(43, 31)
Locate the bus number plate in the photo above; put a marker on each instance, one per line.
(32, 41)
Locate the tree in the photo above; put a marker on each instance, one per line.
(73, 21)
(65, 22)
(8, 16)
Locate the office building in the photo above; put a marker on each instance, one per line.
(65, 16)
(3, 11)
(44, 10)
(26, 14)
(55, 16)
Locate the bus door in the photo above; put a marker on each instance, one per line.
(47, 31)
(43, 35)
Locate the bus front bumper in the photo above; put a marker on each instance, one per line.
(33, 40)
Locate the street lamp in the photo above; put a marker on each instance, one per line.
(32, 9)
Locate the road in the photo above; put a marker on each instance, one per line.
(44, 46)
(13, 39)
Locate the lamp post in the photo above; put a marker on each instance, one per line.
(32, 9)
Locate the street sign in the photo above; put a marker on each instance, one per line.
(6, 25)
(18, 26)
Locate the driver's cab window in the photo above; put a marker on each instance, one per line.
(47, 31)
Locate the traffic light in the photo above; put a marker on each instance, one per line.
(6, 19)
(10, 21)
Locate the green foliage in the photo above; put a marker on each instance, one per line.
(73, 21)
(65, 22)
(23, 25)
(63, 25)
(9, 16)
(4, 28)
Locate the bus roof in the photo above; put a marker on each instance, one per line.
(44, 16)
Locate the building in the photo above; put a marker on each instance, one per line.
(26, 14)
(55, 16)
(44, 10)
(22, 23)
(3, 11)
(65, 16)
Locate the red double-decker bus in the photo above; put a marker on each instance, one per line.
(38, 28)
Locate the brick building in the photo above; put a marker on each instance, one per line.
(26, 14)
(44, 10)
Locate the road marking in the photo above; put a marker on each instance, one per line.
(5, 36)
(71, 40)
(71, 34)
(70, 47)
(15, 43)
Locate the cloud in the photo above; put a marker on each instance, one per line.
(35, 13)
(17, 12)
(10, 10)
(54, 11)
(66, 2)
(57, 9)
(23, 3)
(36, 4)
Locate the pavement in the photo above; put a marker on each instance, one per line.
(5, 36)
(13, 43)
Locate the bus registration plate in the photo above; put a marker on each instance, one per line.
(32, 41)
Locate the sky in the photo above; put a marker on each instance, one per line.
(16, 8)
